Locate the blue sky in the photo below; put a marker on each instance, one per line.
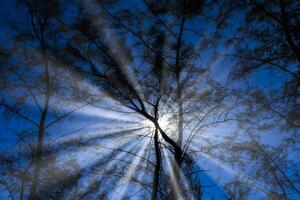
(219, 71)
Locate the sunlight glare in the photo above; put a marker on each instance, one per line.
(163, 121)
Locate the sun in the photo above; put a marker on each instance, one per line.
(164, 122)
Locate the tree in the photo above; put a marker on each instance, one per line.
(264, 42)
(155, 76)
(31, 82)
(145, 68)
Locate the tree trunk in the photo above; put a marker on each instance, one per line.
(155, 183)
(175, 193)
(39, 148)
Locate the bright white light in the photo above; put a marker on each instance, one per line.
(164, 122)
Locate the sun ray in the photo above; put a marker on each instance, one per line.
(85, 156)
(183, 181)
(122, 153)
(117, 50)
(93, 134)
(230, 172)
(119, 190)
(175, 186)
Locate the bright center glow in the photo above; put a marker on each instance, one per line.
(163, 122)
